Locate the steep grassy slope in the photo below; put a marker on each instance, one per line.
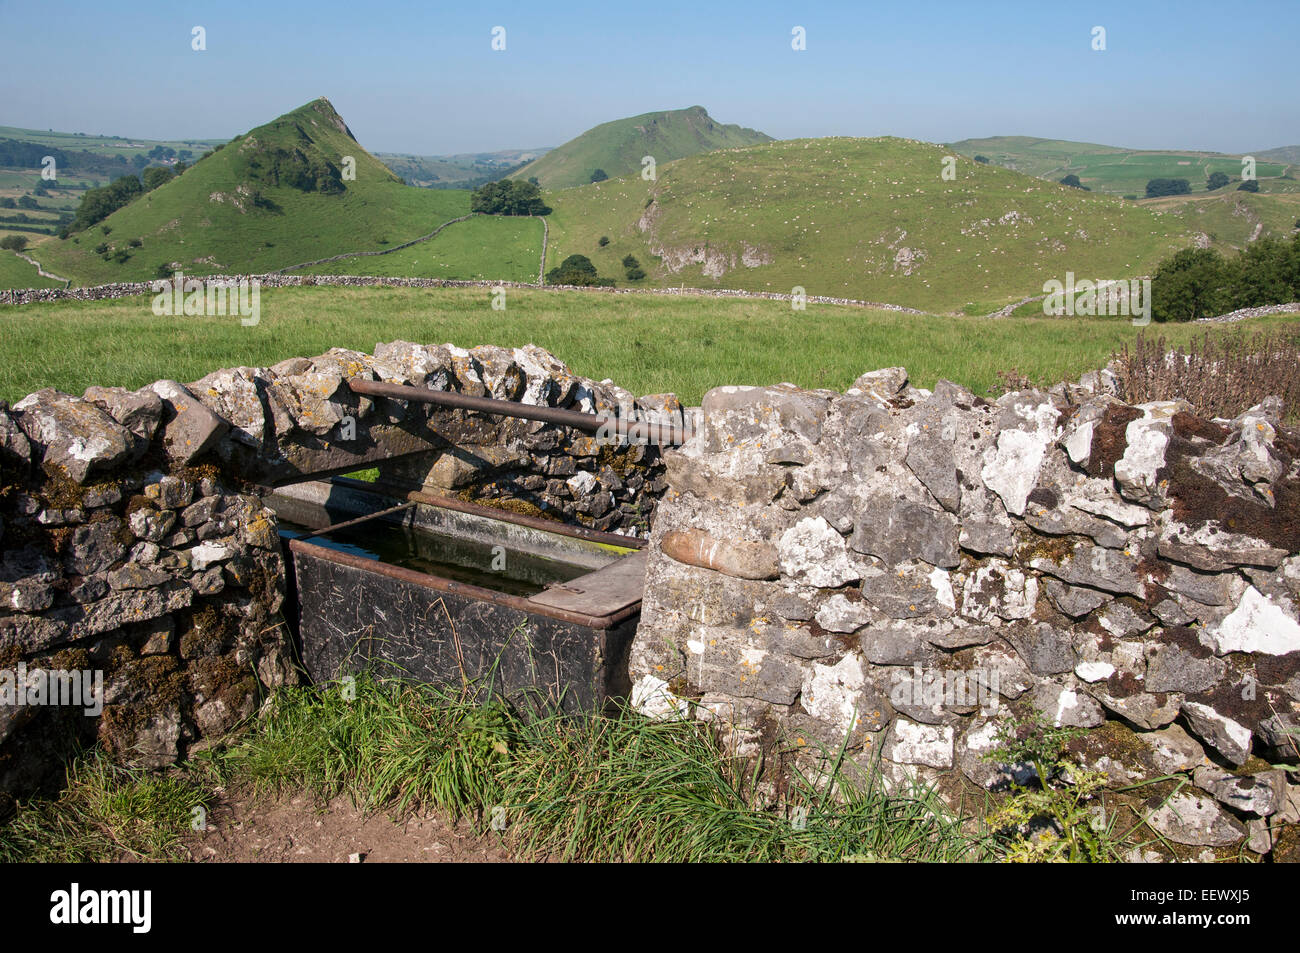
(1109, 168)
(617, 147)
(858, 218)
(235, 212)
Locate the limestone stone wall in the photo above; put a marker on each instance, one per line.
(299, 418)
(913, 569)
(136, 544)
(160, 581)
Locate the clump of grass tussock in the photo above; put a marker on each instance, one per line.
(620, 788)
(105, 813)
(385, 744)
(627, 788)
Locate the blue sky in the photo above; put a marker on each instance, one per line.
(422, 77)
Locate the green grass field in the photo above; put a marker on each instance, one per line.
(104, 145)
(839, 217)
(646, 344)
(1110, 168)
(16, 273)
(480, 248)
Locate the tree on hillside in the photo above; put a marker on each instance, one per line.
(1251, 185)
(632, 268)
(1158, 187)
(508, 197)
(1073, 182)
(983, 160)
(599, 176)
(1217, 180)
(1265, 272)
(1189, 286)
(273, 165)
(155, 176)
(97, 204)
(14, 242)
(576, 270)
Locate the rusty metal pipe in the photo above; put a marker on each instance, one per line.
(634, 431)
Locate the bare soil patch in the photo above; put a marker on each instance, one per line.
(300, 829)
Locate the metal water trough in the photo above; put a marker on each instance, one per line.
(562, 640)
(564, 644)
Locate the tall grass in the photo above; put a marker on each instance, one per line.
(106, 813)
(584, 788)
(648, 344)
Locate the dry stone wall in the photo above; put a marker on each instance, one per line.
(136, 547)
(127, 289)
(154, 586)
(914, 570)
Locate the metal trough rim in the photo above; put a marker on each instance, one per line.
(450, 586)
(393, 491)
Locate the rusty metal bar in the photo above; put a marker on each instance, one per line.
(590, 423)
(325, 530)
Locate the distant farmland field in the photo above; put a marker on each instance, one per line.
(1108, 168)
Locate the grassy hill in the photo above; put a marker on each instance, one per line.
(16, 273)
(1110, 168)
(235, 212)
(617, 147)
(1289, 154)
(1232, 218)
(858, 218)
